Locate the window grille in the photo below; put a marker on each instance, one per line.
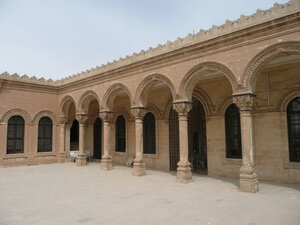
(233, 132)
(45, 135)
(97, 139)
(120, 134)
(74, 136)
(149, 142)
(293, 118)
(173, 139)
(15, 135)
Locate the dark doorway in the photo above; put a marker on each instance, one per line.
(97, 138)
(74, 136)
(173, 139)
(197, 138)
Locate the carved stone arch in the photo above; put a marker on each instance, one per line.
(16, 112)
(85, 100)
(223, 107)
(189, 81)
(139, 100)
(253, 68)
(166, 113)
(287, 97)
(155, 111)
(122, 111)
(65, 104)
(44, 113)
(206, 102)
(111, 93)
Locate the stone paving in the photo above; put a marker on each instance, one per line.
(63, 194)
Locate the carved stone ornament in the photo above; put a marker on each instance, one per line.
(138, 112)
(245, 102)
(182, 108)
(106, 116)
(82, 118)
(62, 119)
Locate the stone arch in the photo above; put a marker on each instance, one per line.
(44, 113)
(16, 112)
(111, 94)
(206, 102)
(255, 65)
(65, 104)
(287, 97)
(121, 111)
(189, 81)
(85, 100)
(146, 84)
(224, 106)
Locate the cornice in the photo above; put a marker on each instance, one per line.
(244, 22)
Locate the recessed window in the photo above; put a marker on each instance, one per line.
(15, 135)
(149, 142)
(120, 134)
(45, 135)
(293, 118)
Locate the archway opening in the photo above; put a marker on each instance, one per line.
(97, 148)
(74, 136)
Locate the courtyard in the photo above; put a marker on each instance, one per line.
(64, 194)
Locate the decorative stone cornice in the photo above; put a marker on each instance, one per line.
(246, 102)
(82, 118)
(138, 112)
(261, 16)
(106, 116)
(182, 108)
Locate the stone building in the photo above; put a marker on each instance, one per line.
(224, 102)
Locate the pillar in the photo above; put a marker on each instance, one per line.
(248, 176)
(139, 166)
(81, 158)
(62, 155)
(68, 139)
(106, 161)
(184, 173)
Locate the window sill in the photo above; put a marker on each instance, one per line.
(13, 156)
(150, 156)
(232, 161)
(120, 153)
(292, 165)
(39, 154)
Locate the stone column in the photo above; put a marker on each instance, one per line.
(248, 176)
(62, 156)
(106, 161)
(184, 173)
(81, 158)
(68, 139)
(139, 166)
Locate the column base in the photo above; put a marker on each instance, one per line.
(62, 157)
(184, 172)
(106, 163)
(81, 160)
(139, 168)
(248, 180)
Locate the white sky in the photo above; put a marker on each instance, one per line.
(57, 38)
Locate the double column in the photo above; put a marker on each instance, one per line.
(139, 166)
(62, 156)
(184, 174)
(248, 176)
(81, 158)
(106, 161)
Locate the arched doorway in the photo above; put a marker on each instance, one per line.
(74, 136)
(173, 139)
(197, 138)
(97, 139)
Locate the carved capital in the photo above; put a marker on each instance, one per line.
(182, 108)
(138, 112)
(246, 102)
(82, 118)
(106, 116)
(62, 119)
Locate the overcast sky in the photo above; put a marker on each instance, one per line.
(57, 38)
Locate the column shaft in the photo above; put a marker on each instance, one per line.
(81, 158)
(106, 161)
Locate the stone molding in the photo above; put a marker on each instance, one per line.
(44, 113)
(245, 102)
(182, 108)
(62, 119)
(106, 116)
(16, 112)
(81, 118)
(138, 112)
(261, 16)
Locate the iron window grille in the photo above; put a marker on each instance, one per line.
(120, 134)
(149, 142)
(15, 135)
(45, 135)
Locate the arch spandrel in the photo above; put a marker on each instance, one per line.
(251, 73)
(65, 104)
(190, 80)
(146, 84)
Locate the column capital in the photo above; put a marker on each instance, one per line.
(62, 119)
(182, 108)
(246, 102)
(138, 112)
(106, 116)
(82, 118)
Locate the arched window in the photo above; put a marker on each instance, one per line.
(120, 134)
(293, 118)
(149, 141)
(15, 135)
(233, 132)
(45, 135)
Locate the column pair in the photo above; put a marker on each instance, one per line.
(248, 176)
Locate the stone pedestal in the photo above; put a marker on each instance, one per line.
(62, 157)
(248, 180)
(184, 174)
(81, 160)
(139, 168)
(106, 163)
